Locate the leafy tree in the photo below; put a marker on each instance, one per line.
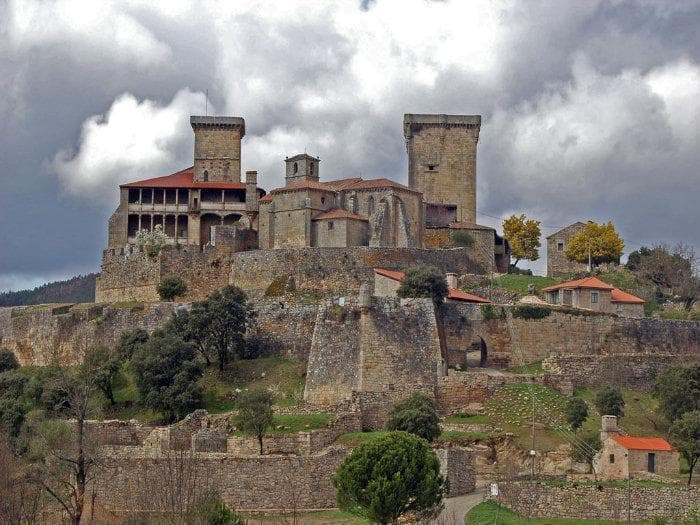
(390, 476)
(130, 341)
(576, 412)
(523, 234)
(228, 315)
(11, 416)
(255, 413)
(678, 390)
(192, 326)
(585, 447)
(672, 270)
(8, 361)
(685, 436)
(424, 281)
(171, 287)
(105, 365)
(167, 375)
(600, 241)
(417, 415)
(609, 402)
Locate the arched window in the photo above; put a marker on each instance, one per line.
(370, 205)
(311, 169)
(296, 167)
(206, 176)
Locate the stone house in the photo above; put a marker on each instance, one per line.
(387, 283)
(624, 456)
(189, 203)
(591, 293)
(557, 264)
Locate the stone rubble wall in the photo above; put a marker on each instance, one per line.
(601, 503)
(457, 463)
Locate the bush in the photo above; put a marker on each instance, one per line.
(215, 512)
(130, 342)
(424, 281)
(461, 238)
(576, 412)
(526, 311)
(678, 390)
(12, 384)
(390, 476)
(417, 415)
(11, 416)
(171, 287)
(8, 361)
(609, 402)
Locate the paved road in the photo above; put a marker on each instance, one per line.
(457, 508)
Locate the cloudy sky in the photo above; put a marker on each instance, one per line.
(591, 109)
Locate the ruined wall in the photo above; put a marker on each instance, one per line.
(60, 334)
(602, 503)
(632, 371)
(284, 327)
(457, 464)
(336, 270)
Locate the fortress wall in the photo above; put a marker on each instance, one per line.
(632, 371)
(337, 270)
(284, 327)
(60, 334)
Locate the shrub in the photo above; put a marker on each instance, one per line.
(526, 311)
(215, 512)
(8, 361)
(685, 435)
(130, 341)
(390, 476)
(417, 415)
(424, 281)
(12, 384)
(11, 416)
(171, 287)
(576, 412)
(678, 390)
(609, 402)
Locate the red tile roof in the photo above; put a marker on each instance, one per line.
(618, 296)
(379, 183)
(586, 282)
(452, 293)
(642, 443)
(303, 185)
(338, 213)
(342, 184)
(184, 179)
(266, 198)
(469, 226)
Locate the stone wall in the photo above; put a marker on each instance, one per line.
(284, 327)
(337, 270)
(602, 503)
(384, 353)
(557, 264)
(60, 334)
(457, 464)
(632, 371)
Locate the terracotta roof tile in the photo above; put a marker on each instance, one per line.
(338, 213)
(643, 443)
(342, 184)
(266, 198)
(586, 282)
(303, 185)
(184, 179)
(391, 274)
(379, 183)
(618, 296)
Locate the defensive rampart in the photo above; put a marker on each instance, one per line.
(589, 501)
(337, 270)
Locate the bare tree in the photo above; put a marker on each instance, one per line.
(20, 501)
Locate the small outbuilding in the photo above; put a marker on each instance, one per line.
(637, 457)
(591, 293)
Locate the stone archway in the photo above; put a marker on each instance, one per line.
(477, 353)
(206, 221)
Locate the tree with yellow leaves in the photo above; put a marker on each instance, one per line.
(595, 244)
(523, 235)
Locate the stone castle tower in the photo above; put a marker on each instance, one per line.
(442, 163)
(217, 148)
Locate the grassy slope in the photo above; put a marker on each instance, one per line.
(487, 512)
(519, 283)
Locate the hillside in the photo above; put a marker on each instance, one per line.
(78, 289)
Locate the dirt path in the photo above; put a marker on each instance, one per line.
(457, 508)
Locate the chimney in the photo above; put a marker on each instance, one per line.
(251, 190)
(451, 279)
(608, 427)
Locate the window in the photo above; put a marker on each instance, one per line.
(612, 458)
(206, 176)
(295, 168)
(330, 225)
(431, 167)
(323, 200)
(594, 297)
(311, 169)
(555, 297)
(560, 246)
(651, 462)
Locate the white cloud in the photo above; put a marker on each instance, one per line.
(134, 140)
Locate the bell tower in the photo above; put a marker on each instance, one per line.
(301, 167)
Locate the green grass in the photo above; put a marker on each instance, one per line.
(290, 423)
(679, 314)
(467, 419)
(323, 517)
(355, 439)
(459, 437)
(534, 368)
(519, 283)
(489, 512)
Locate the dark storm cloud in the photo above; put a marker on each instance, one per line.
(589, 108)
